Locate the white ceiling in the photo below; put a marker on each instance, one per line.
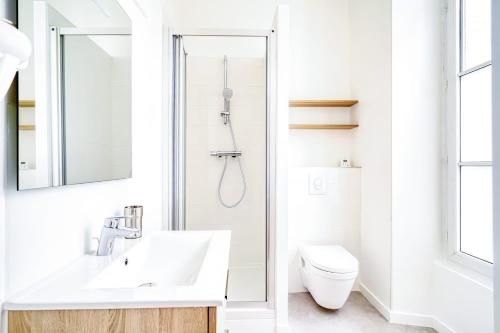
(86, 13)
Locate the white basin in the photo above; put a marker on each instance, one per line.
(165, 269)
(162, 260)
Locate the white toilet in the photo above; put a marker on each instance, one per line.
(328, 272)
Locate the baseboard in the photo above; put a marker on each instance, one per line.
(248, 313)
(377, 304)
(251, 326)
(412, 319)
(281, 329)
(442, 327)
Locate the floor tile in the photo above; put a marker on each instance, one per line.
(357, 316)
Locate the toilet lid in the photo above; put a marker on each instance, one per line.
(330, 258)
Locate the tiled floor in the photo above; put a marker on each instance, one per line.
(357, 316)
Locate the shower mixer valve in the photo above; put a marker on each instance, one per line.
(225, 115)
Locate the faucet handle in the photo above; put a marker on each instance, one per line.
(114, 221)
(111, 222)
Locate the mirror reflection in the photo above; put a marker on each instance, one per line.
(74, 120)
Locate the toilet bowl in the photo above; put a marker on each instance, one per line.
(328, 273)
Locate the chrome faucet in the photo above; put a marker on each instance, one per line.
(111, 230)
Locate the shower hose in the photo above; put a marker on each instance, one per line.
(221, 179)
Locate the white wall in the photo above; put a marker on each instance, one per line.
(57, 223)
(496, 155)
(371, 84)
(220, 14)
(461, 301)
(417, 81)
(322, 219)
(320, 57)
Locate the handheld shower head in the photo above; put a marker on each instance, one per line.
(227, 93)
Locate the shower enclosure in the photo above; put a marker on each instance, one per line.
(220, 151)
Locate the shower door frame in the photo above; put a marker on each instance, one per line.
(176, 138)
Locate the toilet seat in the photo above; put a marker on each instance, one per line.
(331, 259)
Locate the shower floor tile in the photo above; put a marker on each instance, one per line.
(247, 283)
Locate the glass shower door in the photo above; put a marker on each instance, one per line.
(224, 175)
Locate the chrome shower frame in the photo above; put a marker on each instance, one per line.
(176, 216)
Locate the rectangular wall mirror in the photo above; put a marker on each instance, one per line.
(74, 119)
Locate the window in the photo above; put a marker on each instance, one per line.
(470, 134)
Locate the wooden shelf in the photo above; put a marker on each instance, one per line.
(325, 103)
(323, 126)
(26, 127)
(26, 103)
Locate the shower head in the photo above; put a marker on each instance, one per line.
(227, 93)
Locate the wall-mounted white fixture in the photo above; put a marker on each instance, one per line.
(317, 184)
(15, 50)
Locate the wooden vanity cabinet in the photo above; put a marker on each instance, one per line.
(159, 320)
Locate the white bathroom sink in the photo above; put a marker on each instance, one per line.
(164, 269)
(162, 260)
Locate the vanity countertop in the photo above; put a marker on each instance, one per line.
(165, 269)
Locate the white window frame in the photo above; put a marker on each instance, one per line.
(452, 104)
